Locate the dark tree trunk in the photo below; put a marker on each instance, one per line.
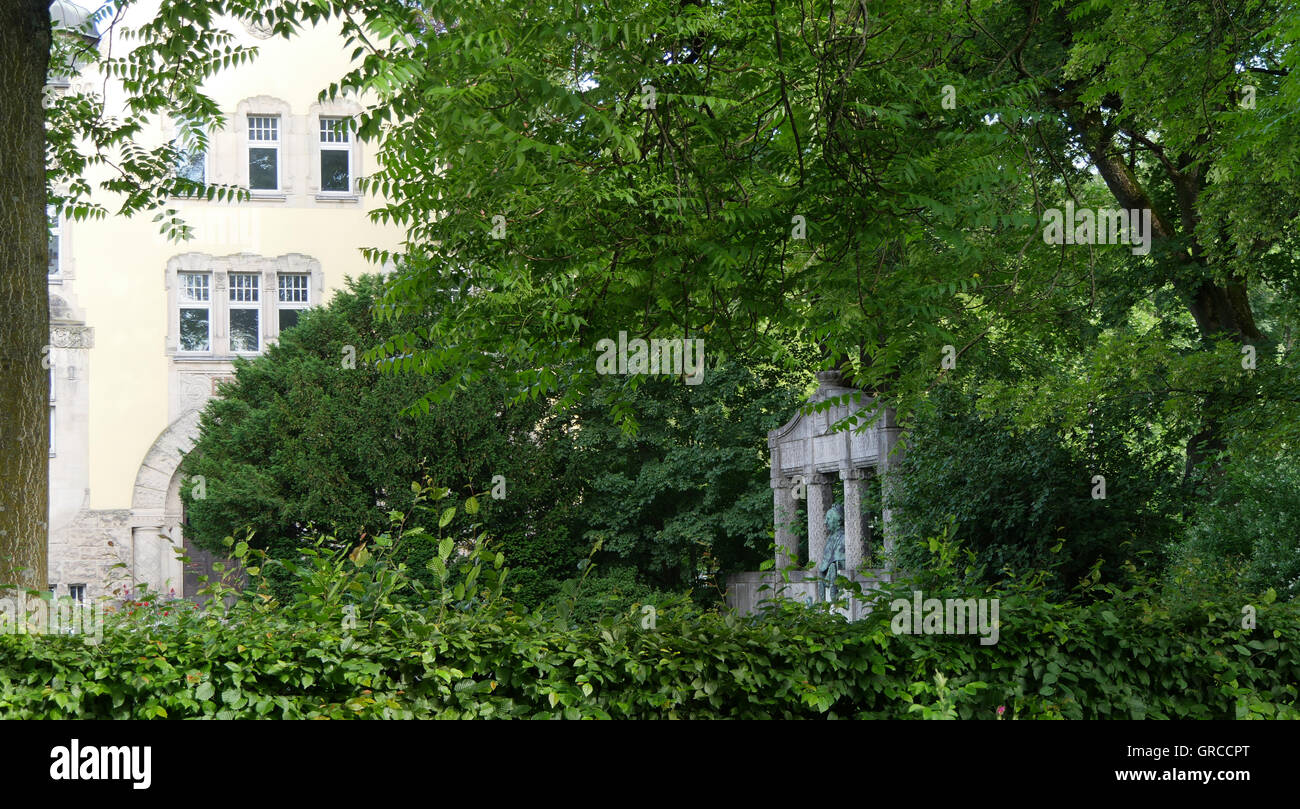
(1220, 309)
(24, 303)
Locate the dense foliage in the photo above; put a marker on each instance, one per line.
(309, 438)
(862, 178)
(1248, 536)
(304, 441)
(874, 183)
(854, 180)
(1029, 499)
(362, 639)
(684, 499)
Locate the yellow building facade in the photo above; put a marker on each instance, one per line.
(143, 329)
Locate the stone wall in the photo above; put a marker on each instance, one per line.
(748, 592)
(87, 549)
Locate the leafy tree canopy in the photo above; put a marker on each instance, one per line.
(306, 441)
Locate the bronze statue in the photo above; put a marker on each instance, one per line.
(832, 561)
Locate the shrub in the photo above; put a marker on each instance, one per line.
(304, 442)
(361, 638)
(1022, 500)
(1247, 536)
(686, 499)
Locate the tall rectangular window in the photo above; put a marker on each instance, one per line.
(77, 592)
(335, 155)
(191, 159)
(52, 213)
(196, 311)
(264, 152)
(293, 298)
(244, 312)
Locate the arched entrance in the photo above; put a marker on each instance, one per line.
(155, 509)
(158, 518)
(197, 562)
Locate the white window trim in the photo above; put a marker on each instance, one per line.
(276, 144)
(337, 108)
(322, 146)
(299, 306)
(209, 305)
(207, 152)
(267, 106)
(256, 306)
(268, 269)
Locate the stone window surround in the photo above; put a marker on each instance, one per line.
(220, 268)
(293, 138)
(337, 108)
(289, 135)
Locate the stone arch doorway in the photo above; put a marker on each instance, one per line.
(196, 563)
(158, 519)
(155, 510)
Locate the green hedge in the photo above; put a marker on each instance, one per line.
(365, 638)
(1116, 658)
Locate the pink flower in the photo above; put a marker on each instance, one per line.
(1001, 710)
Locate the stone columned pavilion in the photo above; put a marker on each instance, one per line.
(809, 458)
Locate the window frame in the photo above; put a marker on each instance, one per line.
(183, 303)
(277, 145)
(55, 237)
(265, 269)
(282, 305)
(178, 142)
(255, 305)
(344, 146)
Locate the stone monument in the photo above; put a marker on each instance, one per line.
(808, 456)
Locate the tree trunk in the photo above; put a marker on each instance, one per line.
(24, 303)
(1219, 309)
